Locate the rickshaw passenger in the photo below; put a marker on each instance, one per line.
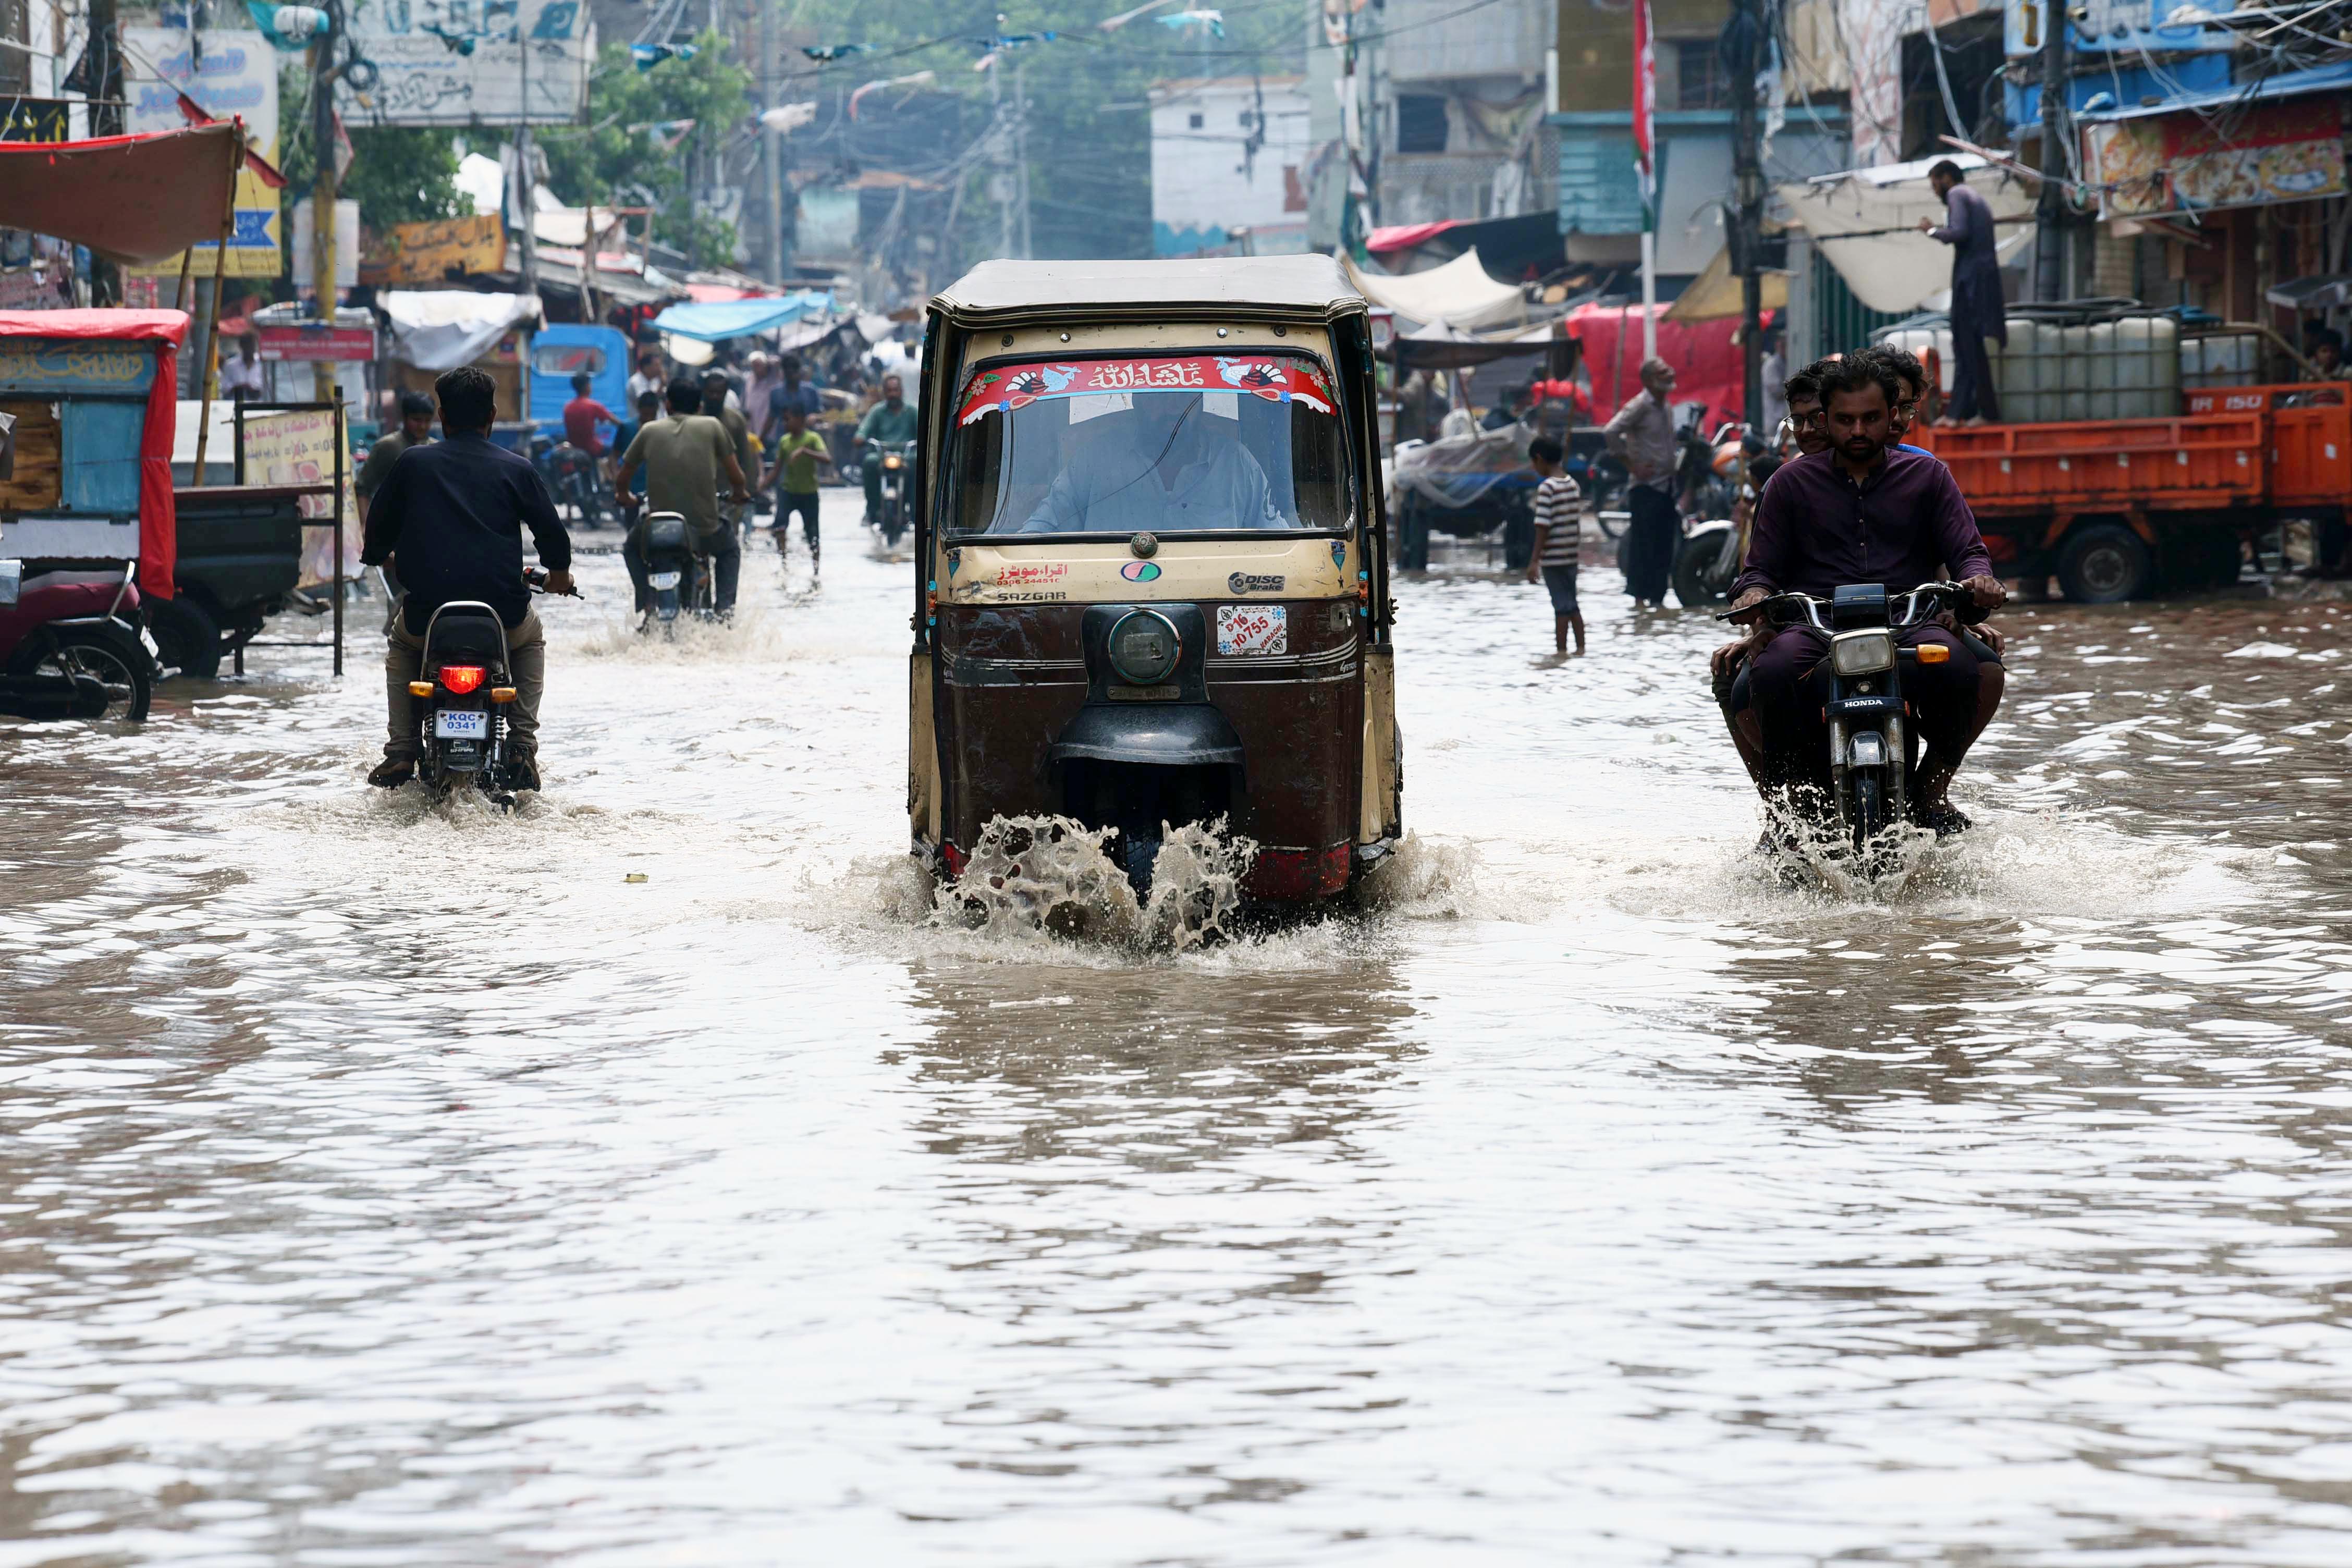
(1165, 465)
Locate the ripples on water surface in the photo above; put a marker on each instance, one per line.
(385, 1185)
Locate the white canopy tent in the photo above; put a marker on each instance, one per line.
(443, 329)
(1459, 293)
(1865, 223)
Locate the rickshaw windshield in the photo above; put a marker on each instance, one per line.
(1170, 443)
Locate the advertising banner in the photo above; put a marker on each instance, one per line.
(434, 251)
(471, 62)
(299, 448)
(228, 75)
(2287, 150)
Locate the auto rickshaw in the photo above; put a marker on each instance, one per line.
(1151, 580)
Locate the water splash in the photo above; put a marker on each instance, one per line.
(1051, 875)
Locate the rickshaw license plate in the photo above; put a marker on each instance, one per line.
(460, 724)
(1244, 631)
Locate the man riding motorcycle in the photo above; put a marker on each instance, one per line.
(685, 457)
(889, 423)
(449, 518)
(1861, 512)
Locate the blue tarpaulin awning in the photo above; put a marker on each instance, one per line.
(741, 317)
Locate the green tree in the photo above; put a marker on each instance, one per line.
(619, 158)
(397, 175)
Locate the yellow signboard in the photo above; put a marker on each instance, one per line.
(227, 73)
(434, 251)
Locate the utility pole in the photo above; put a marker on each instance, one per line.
(527, 186)
(2049, 217)
(105, 120)
(772, 155)
(1000, 133)
(324, 261)
(1739, 50)
(1021, 150)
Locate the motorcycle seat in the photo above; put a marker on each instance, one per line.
(465, 629)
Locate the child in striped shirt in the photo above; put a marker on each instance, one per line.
(1559, 521)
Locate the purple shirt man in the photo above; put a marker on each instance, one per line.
(1817, 529)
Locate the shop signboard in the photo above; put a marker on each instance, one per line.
(434, 251)
(227, 74)
(469, 62)
(2291, 150)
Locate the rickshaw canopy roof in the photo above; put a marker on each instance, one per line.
(1275, 288)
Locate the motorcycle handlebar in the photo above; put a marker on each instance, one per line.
(1785, 610)
(535, 579)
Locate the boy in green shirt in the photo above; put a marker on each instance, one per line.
(798, 452)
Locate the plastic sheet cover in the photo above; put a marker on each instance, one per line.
(1458, 470)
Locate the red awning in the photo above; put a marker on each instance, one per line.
(132, 199)
(1405, 236)
(159, 532)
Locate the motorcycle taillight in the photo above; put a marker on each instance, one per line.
(461, 677)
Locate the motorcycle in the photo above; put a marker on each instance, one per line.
(678, 578)
(463, 687)
(898, 466)
(1707, 470)
(1874, 755)
(1714, 540)
(74, 645)
(571, 477)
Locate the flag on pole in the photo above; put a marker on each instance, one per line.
(1645, 105)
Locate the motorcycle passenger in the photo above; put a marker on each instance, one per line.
(450, 516)
(717, 391)
(684, 456)
(1861, 512)
(649, 408)
(1808, 425)
(889, 423)
(580, 416)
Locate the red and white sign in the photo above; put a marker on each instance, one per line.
(1284, 378)
(350, 345)
(1250, 631)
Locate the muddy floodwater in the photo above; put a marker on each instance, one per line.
(384, 1185)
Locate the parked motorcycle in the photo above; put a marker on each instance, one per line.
(897, 468)
(1874, 755)
(1706, 469)
(74, 646)
(462, 687)
(572, 478)
(1707, 561)
(678, 578)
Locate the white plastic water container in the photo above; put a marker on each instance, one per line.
(2233, 359)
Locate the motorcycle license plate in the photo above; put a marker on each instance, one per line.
(147, 641)
(461, 724)
(665, 579)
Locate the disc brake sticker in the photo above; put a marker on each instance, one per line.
(1250, 631)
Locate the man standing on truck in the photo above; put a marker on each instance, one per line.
(1641, 436)
(1976, 310)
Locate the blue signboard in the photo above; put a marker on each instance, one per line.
(43, 367)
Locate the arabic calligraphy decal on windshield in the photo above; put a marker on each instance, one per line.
(1004, 388)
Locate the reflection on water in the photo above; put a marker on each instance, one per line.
(646, 1178)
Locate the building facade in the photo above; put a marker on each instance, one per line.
(1229, 166)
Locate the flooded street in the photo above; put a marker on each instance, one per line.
(385, 1185)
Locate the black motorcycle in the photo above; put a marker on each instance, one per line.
(678, 577)
(897, 468)
(1873, 753)
(462, 687)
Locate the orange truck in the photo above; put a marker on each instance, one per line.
(2121, 509)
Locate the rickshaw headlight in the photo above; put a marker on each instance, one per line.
(1144, 648)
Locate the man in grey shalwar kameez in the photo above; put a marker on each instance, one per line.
(1977, 309)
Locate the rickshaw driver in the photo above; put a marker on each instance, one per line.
(1200, 474)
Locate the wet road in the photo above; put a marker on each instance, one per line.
(386, 1186)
